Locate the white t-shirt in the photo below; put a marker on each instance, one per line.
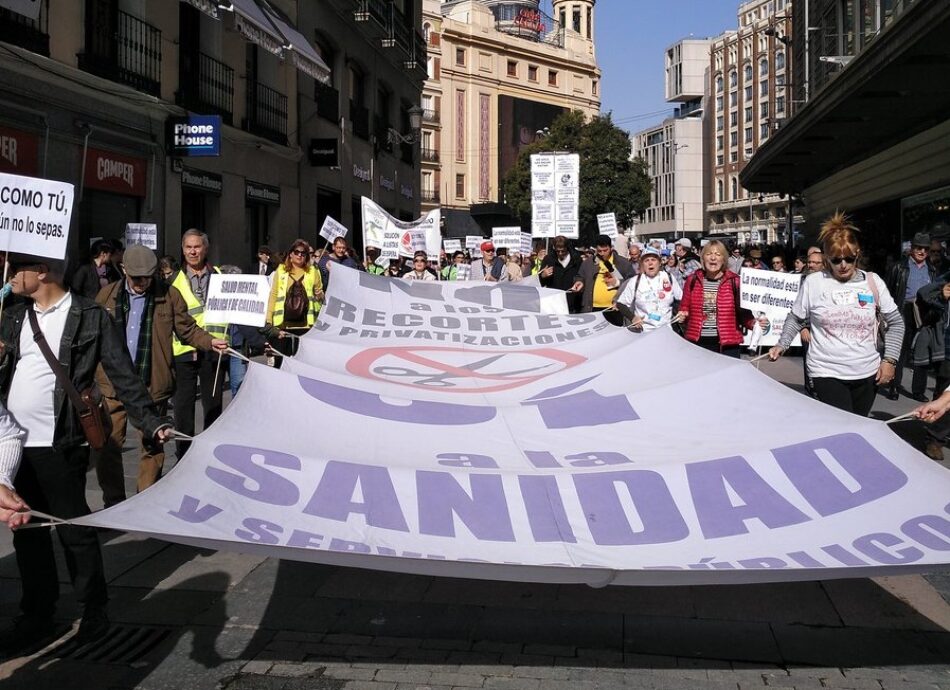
(31, 392)
(654, 298)
(843, 324)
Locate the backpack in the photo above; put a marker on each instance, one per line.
(296, 302)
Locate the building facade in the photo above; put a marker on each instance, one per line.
(89, 88)
(872, 134)
(499, 73)
(748, 91)
(673, 150)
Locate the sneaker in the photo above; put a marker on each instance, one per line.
(934, 450)
(26, 634)
(94, 624)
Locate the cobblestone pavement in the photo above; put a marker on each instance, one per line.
(192, 618)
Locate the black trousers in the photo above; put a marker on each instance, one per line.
(851, 396)
(711, 343)
(55, 483)
(918, 383)
(187, 376)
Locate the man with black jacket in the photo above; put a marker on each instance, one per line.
(52, 474)
(903, 281)
(559, 271)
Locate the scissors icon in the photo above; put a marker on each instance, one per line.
(441, 380)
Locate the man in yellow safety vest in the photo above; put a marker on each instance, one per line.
(192, 365)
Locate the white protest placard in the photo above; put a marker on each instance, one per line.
(451, 246)
(555, 195)
(332, 229)
(607, 224)
(508, 237)
(463, 271)
(771, 294)
(473, 243)
(141, 233)
(527, 243)
(240, 299)
(35, 215)
(542, 171)
(542, 229)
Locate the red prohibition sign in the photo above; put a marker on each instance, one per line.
(422, 369)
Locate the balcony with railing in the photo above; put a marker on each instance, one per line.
(528, 23)
(431, 116)
(131, 54)
(430, 156)
(359, 116)
(375, 14)
(429, 196)
(209, 90)
(328, 101)
(266, 113)
(30, 34)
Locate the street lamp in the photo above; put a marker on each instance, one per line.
(394, 137)
(772, 31)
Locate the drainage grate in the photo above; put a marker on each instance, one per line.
(122, 645)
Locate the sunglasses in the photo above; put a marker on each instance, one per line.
(299, 252)
(847, 259)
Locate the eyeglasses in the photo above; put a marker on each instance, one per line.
(299, 252)
(847, 259)
(419, 261)
(488, 251)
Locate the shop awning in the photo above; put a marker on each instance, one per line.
(250, 20)
(305, 57)
(209, 7)
(893, 90)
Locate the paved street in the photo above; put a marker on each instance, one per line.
(186, 617)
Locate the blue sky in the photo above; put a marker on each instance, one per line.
(631, 37)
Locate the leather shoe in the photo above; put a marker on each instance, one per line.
(94, 624)
(27, 633)
(892, 394)
(919, 397)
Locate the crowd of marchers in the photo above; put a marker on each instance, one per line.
(122, 339)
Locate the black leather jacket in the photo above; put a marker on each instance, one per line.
(90, 338)
(896, 279)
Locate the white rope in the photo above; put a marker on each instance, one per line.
(217, 372)
(901, 418)
(756, 359)
(234, 353)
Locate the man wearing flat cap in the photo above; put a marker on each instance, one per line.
(148, 312)
(905, 278)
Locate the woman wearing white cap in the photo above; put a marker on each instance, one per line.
(650, 296)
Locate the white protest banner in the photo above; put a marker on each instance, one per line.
(506, 238)
(141, 233)
(527, 243)
(607, 224)
(28, 8)
(463, 271)
(332, 229)
(377, 231)
(771, 294)
(35, 215)
(451, 246)
(397, 238)
(240, 299)
(507, 444)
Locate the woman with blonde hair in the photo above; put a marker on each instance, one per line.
(842, 303)
(295, 298)
(710, 305)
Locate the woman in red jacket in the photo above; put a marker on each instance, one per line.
(710, 305)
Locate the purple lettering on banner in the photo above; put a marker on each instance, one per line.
(601, 458)
(417, 412)
(466, 460)
(514, 297)
(931, 531)
(303, 539)
(872, 546)
(485, 512)
(545, 509)
(876, 475)
(333, 498)
(842, 555)
(587, 408)
(541, 458)
(709, 482)
(608, 521)
(270, 487)
(806, 560)
(259, 531)
(348, 546)
(336, 308)
(763, 563)
(192, 511)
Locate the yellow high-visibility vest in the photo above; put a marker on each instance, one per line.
(196, 310)
(311, 281)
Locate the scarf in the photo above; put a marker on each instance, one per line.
(143, 350)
